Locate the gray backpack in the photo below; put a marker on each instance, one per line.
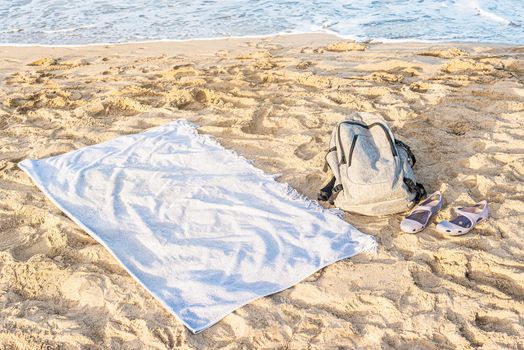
(372, 171)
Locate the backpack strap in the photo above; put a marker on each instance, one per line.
(411, 157)
(326, 191)
(416, 188)
(326, 165)
(329, 188)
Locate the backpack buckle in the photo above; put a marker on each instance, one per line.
(416, 188)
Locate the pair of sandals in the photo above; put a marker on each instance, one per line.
(466, 217)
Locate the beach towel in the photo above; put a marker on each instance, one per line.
(198, 226)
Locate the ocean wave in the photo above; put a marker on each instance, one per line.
(117, 21)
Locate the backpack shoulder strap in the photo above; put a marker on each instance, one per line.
(331, 163)
(411, 157)
(326, 165)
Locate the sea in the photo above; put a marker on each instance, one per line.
(68, 22)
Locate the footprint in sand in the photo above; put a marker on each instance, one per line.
(459, 128)
(492, 323)
(9, 239)
(256, 125)
(310, 149)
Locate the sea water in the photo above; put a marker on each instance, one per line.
(68, 22)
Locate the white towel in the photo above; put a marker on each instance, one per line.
(201, 228)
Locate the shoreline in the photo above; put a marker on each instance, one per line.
(206, 47)
(329, 34)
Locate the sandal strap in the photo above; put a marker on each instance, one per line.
(474, 218)
(431, 209)
(423, 208)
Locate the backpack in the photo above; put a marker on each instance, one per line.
(372, 172)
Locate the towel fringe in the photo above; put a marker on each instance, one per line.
(337, 211)
(371, 247)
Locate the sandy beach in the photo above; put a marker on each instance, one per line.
(275, 101)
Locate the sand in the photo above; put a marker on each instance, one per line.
(275, 101)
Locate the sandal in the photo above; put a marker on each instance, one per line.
(467, 218)
(419, 217)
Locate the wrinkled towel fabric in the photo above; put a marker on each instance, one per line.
(198, 226)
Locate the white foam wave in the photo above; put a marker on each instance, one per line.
(493, 17)
(116, 21)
